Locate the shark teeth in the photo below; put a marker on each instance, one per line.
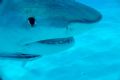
(57, 41)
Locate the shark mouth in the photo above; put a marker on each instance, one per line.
(22, 56)
(57, 41)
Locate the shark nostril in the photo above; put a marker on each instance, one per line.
(31, 20)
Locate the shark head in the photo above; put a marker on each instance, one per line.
(42, 27)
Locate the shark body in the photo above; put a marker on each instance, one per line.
(42, 27)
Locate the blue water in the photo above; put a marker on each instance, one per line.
(95, 55)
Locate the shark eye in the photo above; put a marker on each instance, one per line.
(31, 21)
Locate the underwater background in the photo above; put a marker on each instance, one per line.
(95, 55)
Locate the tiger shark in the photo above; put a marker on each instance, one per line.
(34, 28)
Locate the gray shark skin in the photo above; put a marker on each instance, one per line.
(42, 27)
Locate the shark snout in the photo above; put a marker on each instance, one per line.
(82, 18)
(80, 13)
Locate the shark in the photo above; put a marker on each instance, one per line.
(36, 28)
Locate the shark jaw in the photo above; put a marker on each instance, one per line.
(40, 48)
(48, 46)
